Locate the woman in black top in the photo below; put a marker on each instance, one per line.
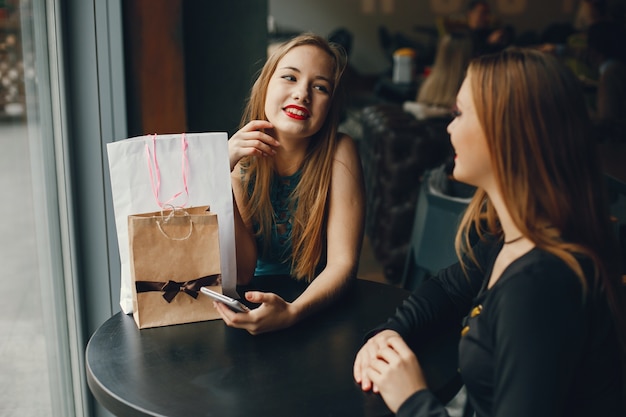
(537, 293)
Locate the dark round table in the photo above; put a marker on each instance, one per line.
(209, 369)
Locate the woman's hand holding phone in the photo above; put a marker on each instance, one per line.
(233, 304)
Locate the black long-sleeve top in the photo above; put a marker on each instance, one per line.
(536, 345)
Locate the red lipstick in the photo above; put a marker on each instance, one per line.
(296, 112)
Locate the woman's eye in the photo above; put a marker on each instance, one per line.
(289, 77)
(455, 112)
(322, 88)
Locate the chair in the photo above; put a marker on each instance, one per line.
(396, 149)
(436, 221)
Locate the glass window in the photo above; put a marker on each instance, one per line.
(37, 360)
(23, 362)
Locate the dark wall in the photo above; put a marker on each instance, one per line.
(154, 65)
(190, 63)
(225, 47)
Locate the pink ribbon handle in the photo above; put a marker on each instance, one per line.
(155, 172)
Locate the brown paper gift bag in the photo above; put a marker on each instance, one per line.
(187, 169)
(172, 255)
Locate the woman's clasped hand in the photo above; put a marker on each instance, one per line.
(387, 362)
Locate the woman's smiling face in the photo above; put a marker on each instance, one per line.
(299, 92)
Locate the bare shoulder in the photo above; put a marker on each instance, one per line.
(347, 151)
(347, 161)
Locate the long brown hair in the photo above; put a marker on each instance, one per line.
(533, 113)
(453, 55)
(311, 194)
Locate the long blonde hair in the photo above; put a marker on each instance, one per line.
(533, 114)
(443, 82)
(308, 234)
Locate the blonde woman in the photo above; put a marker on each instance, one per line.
(297, 184)
(538, 294)
(437, 94)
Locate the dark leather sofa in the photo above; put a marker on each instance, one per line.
(396, 149)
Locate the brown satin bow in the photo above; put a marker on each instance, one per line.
(171, 288)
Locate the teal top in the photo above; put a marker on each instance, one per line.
(278, 259)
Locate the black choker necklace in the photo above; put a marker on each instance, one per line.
(513, 240)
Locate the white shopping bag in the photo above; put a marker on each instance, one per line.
(183, 170)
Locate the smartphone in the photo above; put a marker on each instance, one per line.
(230, 302)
